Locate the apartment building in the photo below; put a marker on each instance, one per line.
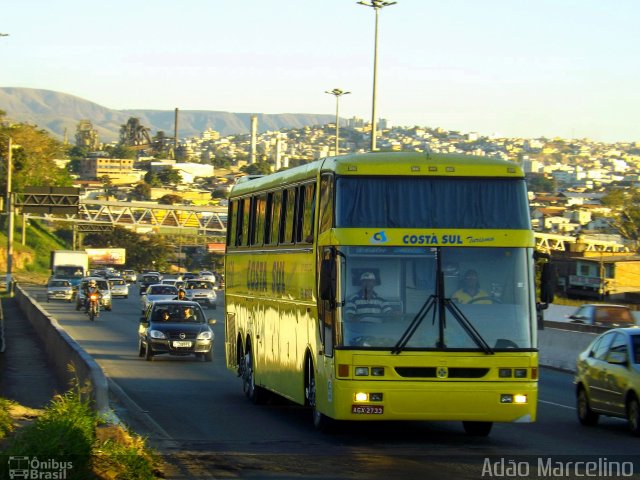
(119, 170)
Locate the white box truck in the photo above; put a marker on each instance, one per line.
(71, 265)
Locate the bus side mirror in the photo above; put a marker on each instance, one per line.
(548, 282)
(328, 280)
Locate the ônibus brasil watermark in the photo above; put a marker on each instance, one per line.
(542, 467)
(34, 468)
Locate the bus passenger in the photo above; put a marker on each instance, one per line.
(471, 291)
(366, 301)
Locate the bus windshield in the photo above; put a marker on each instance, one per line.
(431, 202)
(436, 298)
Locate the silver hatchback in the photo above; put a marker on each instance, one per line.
(60, 289)
(119, 287)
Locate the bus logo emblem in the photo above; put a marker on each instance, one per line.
(442, 372)
(379, 237)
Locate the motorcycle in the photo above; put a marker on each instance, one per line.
(94, 306)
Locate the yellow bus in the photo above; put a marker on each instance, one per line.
(350, 289)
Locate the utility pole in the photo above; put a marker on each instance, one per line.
(10, 214)
(337, 93)
(376, 5)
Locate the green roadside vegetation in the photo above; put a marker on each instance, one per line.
(68, 431)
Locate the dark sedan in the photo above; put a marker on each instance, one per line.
(175, 327)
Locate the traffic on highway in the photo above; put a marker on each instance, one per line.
(196, 414)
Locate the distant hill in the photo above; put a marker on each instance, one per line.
(55, 111)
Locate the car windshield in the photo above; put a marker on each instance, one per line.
(163, 290)
(199, 285)
(117, 282)
(59, 283)
(177, 313)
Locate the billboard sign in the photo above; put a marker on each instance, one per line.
(215, 247)
(106, 256)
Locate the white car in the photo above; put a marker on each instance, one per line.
(60, 289)
(157, 292)
(201, 291)
(119, 287)
(173, 281)
(207, 275)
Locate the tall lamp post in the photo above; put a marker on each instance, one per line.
(376, 5)
(9, 208)
(337, 93)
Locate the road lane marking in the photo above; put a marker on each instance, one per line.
(557, 404)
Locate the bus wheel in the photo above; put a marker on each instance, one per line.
(320, 421)
(477, 429)
(251, 390)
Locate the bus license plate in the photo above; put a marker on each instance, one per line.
(181, 344)
(367, 409)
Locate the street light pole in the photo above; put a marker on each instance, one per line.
(9, 208)
(337, 93)
(376, 5)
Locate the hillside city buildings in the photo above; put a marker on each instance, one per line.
(581, 169)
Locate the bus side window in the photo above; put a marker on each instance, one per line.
(289, 215)
(259, 210)
(240, 223)
(233, 223)
(326, 203)
(275, 218)
(306, 210)
(246, 222)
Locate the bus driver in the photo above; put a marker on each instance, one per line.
(366, 301)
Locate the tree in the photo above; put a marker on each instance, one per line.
(625, 205)
(121, 151)
(133, 133)
(142, 191)
(261, 168)
(170, 199)
(152, 179)
(169, 176)
(537, 182)
(34, 154)
(141, 252)
(161, 145)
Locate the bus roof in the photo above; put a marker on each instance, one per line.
(387, 163)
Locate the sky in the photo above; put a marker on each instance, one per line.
(513, 68)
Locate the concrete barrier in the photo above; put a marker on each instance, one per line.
(62, 351)
(559, 348)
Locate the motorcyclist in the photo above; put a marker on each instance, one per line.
(91, 288)
(182, 295)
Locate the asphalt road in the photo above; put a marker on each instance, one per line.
(196, 414)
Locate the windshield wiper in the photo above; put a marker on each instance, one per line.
(467, 326)
(415, 323)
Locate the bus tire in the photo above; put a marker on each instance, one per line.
(321, 422)
(477, 429)
(253, 392)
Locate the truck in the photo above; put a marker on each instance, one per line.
(71, 265)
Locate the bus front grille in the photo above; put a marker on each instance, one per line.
(431, 372)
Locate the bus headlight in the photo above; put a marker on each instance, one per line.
(510, 398)
(361, 371)
(361, 397)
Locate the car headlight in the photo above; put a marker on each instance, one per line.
(206, 335)
(157, 334)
